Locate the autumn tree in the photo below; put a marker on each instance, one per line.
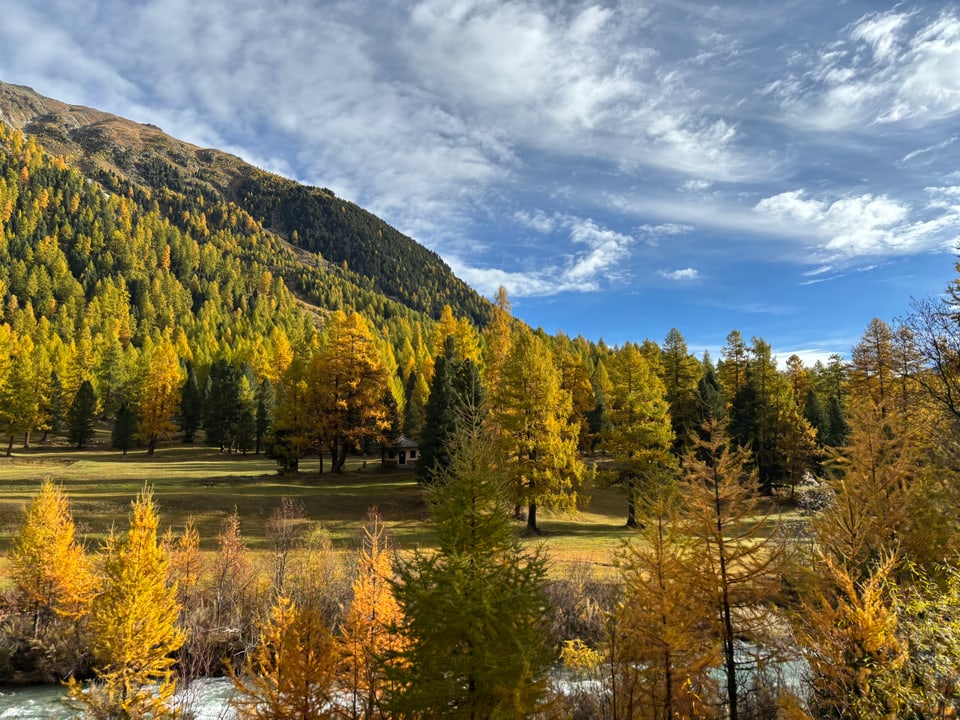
(19, 401)
(54, 579)
(532, 412)
(350, 381)
(134, 624)
(233, 589)
(732, 368)
(575, 379)
(284, 529)
(661, 658)
(497, 340)
(291, 672)
(639, 436)
(849, 636)
(736, 556)
(293, 428)
(473, 635)
(368, 629)
(159, 395)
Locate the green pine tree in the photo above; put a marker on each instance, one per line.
(473, 636)
(82, 412)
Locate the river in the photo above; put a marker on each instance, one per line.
(206, 699)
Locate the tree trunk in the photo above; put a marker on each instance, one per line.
(726, 616)
(152, 443)
(10, 446)
(532, 518)
(26, 440)
(631, 503)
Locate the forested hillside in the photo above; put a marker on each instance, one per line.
(104, 145)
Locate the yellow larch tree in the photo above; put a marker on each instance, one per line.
(532, 415)
(351, 381)
(367, 634)
(52, 573)
(134, 625)
(291, 673)
(160, 394)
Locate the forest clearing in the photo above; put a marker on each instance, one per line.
(199, 482)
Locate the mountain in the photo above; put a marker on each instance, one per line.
(104, 147)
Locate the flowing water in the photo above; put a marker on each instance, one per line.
(206, 699)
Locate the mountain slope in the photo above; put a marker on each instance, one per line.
(314, 219)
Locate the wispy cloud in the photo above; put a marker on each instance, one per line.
(861, 225)
(596, 259)
(888, 67)
(680, 275)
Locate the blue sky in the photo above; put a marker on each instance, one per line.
(786, 169)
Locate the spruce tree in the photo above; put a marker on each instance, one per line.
(80, 418)
(124, 428)
(474, 642)
(455, 385)
(265, 404)
(191, 406)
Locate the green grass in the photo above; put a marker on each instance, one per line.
(202, 483)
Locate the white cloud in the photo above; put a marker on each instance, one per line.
(860, 225)
(909, 75)
(537, 220)
(882, 32)
(680, 275)
(600, 262)
(695, 185)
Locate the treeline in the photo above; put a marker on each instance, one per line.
(712, 603)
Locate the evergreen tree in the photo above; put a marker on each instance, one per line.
(711, 404)
(265, 406)
(474, 641)
(82, 412)
(455, 386)
(124, 428)
(837, 424)
(680, 372)
(191, 406)
(817, 416)
(223, 405)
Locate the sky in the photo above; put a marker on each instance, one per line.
(789, 170)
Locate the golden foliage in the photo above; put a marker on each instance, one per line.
(291, 673)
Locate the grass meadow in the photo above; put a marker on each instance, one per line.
(198, 482)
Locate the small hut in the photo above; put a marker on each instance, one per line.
(401, 453)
